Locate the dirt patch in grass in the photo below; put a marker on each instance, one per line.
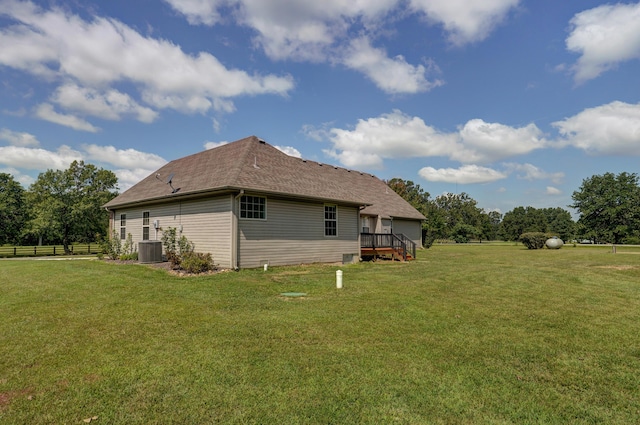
(8, 396)
(619, 267)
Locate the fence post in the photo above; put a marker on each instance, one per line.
(35, 251)
(14, 251)
(54, 250)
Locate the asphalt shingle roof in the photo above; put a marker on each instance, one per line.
(256, 166)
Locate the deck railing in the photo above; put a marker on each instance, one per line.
(397, 241)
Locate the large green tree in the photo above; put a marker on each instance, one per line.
(529, 219)
(12, 209)
(411, 192)
(459, 209)
(419, 199)
(560, 223)
(609, 206)
(66, 205)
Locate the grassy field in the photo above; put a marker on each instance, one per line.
(463, 335)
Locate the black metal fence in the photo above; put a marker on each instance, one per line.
(48, 250)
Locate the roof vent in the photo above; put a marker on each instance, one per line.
(261, 141)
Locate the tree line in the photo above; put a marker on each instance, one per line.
(608, 207)
(65, 206)
(60, 207)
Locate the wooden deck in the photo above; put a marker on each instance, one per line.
(390, 253)
(387, 245)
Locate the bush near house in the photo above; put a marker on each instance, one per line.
(180, 253)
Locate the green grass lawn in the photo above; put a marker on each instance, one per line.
(465, 334)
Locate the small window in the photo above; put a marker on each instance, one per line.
(365, 224)
(254, 207)
(330, 220)
(123, 228)
(145, 226)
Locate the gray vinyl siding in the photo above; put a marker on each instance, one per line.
(207, 223)
(410, 228)
(293, 233)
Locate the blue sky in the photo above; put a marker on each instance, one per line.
(514, 102)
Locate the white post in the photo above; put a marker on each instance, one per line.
(339, 279)
(266, 266)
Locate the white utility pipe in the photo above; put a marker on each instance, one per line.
(339, 279)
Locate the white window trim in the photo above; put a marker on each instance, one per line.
(147, 226)
(123, 217)
(324, 222)
(252, 218)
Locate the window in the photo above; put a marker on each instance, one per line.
(145, 226)
(253, 207)
(123, 226)
(365, 224)
(330, 220)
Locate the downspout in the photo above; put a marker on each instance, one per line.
(235, 232)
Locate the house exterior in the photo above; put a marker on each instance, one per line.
(249, 204)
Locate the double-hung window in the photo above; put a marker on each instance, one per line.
(330, 220)
(145, 226)
(123, 226)
(253, 207)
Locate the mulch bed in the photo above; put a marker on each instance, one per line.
(166, 266)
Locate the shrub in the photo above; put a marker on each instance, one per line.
(428, 239)
(534, 240)
(197, 262)
(112, 246)
(180, 253)
(129, 247)
(133, 256)
(169, 239)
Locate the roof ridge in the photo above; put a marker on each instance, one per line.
(236, 169)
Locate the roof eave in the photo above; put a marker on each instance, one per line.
(229, 189)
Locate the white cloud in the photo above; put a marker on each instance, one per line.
(24, 179)
(393, 135)
(531, 172)
(16, 138)
(289, 150)
(38, 159)
(466, 21)
(604, 36)
(464, 175)
(397, 135)
(611, 129)
(46, 112)
(392, 75)
(103, 51)
(125, 158)
(110, 105)
(127, 177)
(340, 31)
(553, 191)
(487, 142)
(212, 145)
(199, 11)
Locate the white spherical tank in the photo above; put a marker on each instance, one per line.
(554, 243)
